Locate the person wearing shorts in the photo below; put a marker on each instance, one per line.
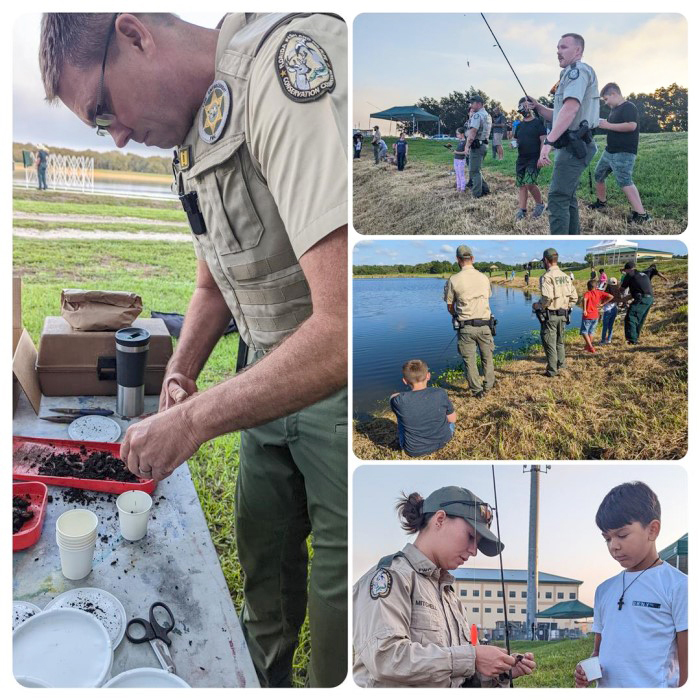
(620, 153)
(530, 136)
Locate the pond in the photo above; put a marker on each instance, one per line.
(400, 319)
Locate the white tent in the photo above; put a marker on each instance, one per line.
(613, 248)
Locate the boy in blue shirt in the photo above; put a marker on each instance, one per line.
(401, 151)
(641, 615)
(425, 415)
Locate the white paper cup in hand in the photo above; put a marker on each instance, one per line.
(76, 563)
(591, 667)
(134, 508)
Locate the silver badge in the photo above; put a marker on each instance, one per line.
(214, 112)
(380, 585)
(303, 67)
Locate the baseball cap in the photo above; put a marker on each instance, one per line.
(549, 252)
(464, 251)
(628, 266)
(613, 280)
(462, 503)
(477, 98)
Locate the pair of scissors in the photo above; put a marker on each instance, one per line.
(156, 634)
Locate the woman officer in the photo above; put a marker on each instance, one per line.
(410, 629)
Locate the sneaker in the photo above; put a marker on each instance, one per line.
(635, 218)
(480, 395)
(520, 214)
(551, 375)
(538, 211)
(598, 204)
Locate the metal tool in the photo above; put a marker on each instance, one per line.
(70, 414)
(156, 634)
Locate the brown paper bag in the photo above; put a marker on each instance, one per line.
(99, 310)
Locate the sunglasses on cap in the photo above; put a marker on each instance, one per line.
(484, 509)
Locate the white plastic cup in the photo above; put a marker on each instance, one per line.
(77, 525)
(76, 563)
(591, 667)
(134, 508)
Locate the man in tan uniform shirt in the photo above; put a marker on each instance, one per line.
(559, 296)
(467, 295)
(258, 108)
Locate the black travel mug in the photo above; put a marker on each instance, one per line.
(132, 352)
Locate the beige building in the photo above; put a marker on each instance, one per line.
(481, 594)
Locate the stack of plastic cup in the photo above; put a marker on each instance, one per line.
(76, 534)
(134, 508)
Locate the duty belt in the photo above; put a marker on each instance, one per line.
(474, 322)
(558, 312)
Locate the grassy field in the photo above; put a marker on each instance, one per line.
(422, 199)
(624, 402)
(163, 274)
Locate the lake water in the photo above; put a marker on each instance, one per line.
(400, 319)
(116, 187)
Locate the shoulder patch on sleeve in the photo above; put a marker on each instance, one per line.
(380, 584)
(573, 74)
(303, 67)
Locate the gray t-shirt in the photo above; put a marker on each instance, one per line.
(423, 415)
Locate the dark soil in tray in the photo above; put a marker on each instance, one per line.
(98, 465)
(20, 512)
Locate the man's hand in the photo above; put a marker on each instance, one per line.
(580, 678)
(491, 661)
(156, 446)
(544, 156)
(603, 124)
(525, 666)
(176, 388)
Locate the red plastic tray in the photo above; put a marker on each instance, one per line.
(26, 446)
(30, 532)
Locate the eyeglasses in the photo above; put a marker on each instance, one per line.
(484, 509)
(103, 120)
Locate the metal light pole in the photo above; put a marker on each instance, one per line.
(531, 619)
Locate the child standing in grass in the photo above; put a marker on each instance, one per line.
(640, 616)
(530, 136)
(592, 301)
(425, 415)
(460, 158)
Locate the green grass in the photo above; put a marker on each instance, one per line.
(102, 200)
(32, 206)
(163, 274)
(556, 661)
(660, 173)
(121, 226)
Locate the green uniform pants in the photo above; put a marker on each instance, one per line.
(476, 158)
(552, 335)
(292, 480)
(636, 315)
(472, 338)
(562, 203)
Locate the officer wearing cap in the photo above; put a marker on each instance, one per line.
(409, 626)
(558, 297)
(467, 296)
(641, 294)
(254, 108)
(576, 101)
(478, 132)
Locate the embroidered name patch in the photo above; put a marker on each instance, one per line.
(380, 585)
(215, 110)
(303, 67)
(644, 604)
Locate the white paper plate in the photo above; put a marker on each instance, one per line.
(62, 648)
(22, 611)
(146, 678)
(103, 605)
(95, 429)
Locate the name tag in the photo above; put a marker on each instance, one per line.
(644, 604)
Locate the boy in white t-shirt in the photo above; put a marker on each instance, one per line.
(641, 615)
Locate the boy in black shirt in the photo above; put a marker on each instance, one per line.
(620, 153)
(530, 136)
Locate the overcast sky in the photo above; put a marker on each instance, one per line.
(33, 120)
(400, 58)
(570, 544)
(513, 250)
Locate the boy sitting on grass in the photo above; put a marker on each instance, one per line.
(425, 415)
(640, 616)
(592, 301)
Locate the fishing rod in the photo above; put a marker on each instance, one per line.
(504, 55)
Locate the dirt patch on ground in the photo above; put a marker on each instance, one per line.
(422, 200)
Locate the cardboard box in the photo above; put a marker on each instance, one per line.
(83, 363)
(24, 376)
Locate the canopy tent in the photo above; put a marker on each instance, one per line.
(611, 252)
(676, 554)
(411, 113)
(567, 610)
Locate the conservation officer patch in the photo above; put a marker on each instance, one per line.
(572, 74)
(215, 109)
(303, 67)
(380, 585)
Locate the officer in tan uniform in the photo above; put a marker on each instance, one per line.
(576, 112)
(558, 297)
(258, 110)
(409, 627)
(478, 132)
(467, 295)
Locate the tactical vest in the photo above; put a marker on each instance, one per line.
(246, 245)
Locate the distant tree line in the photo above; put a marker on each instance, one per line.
(666, 109)
(111, 160)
